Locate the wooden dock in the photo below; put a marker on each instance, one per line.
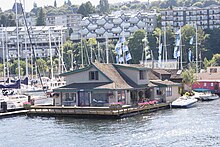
(93, 112)
(13, 113)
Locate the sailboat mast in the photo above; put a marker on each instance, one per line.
(51, 59)
(7, 60)
(18, 49)
(25, 41)
(3, 51)
(81, 42)
(61, 33)
(196, 51)
(99, 56)
(181, 51)
(106, 44)
(165, 42)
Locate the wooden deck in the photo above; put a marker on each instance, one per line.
(13, 113)
(93, 112)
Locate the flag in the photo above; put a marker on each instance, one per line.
(118, 45)
(176, 52)
(159, 58)
(118, 48)
(128, 57)
(190, 55)
(160, 48)
(191, 41)
(178, 32)
(125, 48)
(122, 39)
(121, 59)
(177, 40)
(116, 59)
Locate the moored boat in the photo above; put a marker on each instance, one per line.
(209, 97)
(184, 102)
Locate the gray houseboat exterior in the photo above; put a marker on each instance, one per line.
(103, 84)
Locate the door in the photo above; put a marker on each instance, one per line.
(84, 98)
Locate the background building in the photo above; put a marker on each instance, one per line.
(39, 36)
(112, 26)
(208, 17)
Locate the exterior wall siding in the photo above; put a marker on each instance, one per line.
(83, 77)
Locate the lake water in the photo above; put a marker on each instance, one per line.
(196, 126)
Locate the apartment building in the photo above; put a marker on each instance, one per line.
(66, 20)
(41, 37)
(208, 17)
(113, 25)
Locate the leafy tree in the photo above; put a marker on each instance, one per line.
(69, 3)
(189, 77)
(35, 5)
(135, 45)
(41, 19)
(86, 9)
(19, 8)
(42, 66)
(1, 69)
(212, 42)
(55, 4)
(104, 6)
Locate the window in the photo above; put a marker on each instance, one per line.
(168, 91)
(142, 74)
(213, 70)
(158, 90)
(212, 84)
(204, 84)
(70, 97)
(93, 75)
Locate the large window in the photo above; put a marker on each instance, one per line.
(93, 75)
(142, 74)
(70, 97)
(168, 91)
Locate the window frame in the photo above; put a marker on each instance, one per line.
(93, 75)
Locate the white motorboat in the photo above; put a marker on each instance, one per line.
(184, 102)
(16, 101)
(209, 97)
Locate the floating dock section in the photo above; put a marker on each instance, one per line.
(13, 113)
(93, 112)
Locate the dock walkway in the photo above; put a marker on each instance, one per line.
(93, 112)
(13, 113)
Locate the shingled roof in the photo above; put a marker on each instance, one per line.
(110, 71)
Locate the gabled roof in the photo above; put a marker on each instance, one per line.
(152, 76)
(175, 73)
(165, 83)
(208, 76)
(132, 66)
(161, 71)
(86, 86)
(111, 72)
(76, 71)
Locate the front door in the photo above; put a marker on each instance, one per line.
(84, 98)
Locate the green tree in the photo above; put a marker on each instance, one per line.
(86, 9)
(212, 42)
(135, 44)
(55, 4)
(104, 6)
(41, 19)
(189, 77)
(42, 66)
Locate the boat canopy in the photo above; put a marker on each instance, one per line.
(202, 90)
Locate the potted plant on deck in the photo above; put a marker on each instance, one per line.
(27, 105)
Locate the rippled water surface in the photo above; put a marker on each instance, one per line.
(196, 126)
